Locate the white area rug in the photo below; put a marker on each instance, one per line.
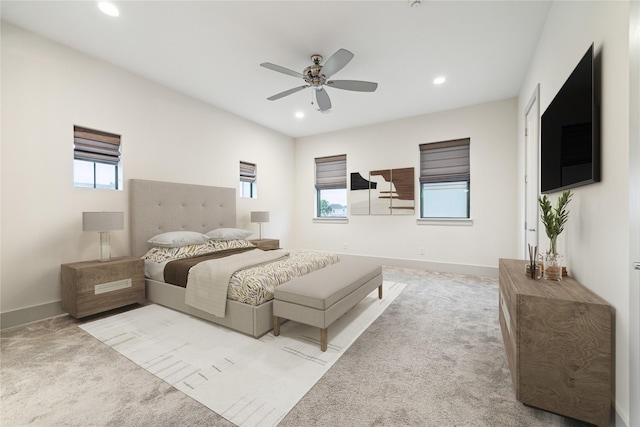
(250, 382)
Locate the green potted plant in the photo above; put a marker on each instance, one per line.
(554, 220)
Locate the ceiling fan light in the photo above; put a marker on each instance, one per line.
(299, 114)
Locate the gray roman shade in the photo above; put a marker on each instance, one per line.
(247, 172)
(445, 161)
(331, 172)
(96, 146)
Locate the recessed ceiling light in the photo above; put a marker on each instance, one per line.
(299, 114)
(108, 8)
(439, 80)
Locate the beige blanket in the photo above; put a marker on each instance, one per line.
(208, 281)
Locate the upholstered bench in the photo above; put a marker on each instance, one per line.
(321, 297)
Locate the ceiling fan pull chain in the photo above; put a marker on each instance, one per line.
(312, 96)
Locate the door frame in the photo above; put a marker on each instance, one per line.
(534, 101)
(634, 212)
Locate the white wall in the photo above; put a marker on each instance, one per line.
(492, 129)
(596, 238)
(46, 89)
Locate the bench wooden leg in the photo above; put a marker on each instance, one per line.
(380, 292)
(323, 339)
(276, 325)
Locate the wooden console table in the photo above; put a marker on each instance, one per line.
(559, 340)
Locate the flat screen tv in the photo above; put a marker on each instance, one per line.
(570, 135)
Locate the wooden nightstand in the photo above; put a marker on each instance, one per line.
(266, 244)
(92, 287)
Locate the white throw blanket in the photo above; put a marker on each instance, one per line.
(208, 281)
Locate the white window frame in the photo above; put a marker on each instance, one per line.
(96, 150)
(445, 162)
(330, 174)
(248, 187)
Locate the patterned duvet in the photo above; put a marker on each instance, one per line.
(254, 285)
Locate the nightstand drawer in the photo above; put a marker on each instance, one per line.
(89, 303)
(92, 287)
(86, 276)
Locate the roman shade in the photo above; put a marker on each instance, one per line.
(331, 172)
(446, 161)
(96, 146)
(247, 172)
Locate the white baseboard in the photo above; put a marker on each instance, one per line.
(617, 419)
(26, 315)
(443, 267)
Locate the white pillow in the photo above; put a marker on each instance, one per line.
(228, 234)
(174, 239)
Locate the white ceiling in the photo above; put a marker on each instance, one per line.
(211, 50)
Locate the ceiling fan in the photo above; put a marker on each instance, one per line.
(317, 76)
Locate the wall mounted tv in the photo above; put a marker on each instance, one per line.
(570, 135)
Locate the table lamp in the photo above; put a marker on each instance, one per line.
(260, 217)
(103, 222)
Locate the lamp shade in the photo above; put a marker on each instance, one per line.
(102, 221)
(260, 216)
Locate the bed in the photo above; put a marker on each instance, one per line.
(158, 207)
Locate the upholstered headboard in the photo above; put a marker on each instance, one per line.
(157, 207)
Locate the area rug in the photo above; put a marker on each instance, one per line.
(248, 381)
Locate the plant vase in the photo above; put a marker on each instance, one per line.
(553, 266)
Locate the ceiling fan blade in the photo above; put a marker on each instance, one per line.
(356, 85)
(280, 69)
(286, 92)
(323, 99)
(337, 61)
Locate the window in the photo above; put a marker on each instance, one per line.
(331, 187)
(445, 179)
(248, 176)
(96, 159)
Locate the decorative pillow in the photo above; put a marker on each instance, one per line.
(228, 234)
(174, 239)
(161, 254)
(221, 245)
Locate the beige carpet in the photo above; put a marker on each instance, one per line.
(433, 358)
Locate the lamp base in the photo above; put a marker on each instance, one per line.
(105, 246)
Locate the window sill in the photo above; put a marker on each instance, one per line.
(330, 220)
(445, 221)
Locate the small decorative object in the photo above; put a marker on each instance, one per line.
(553, 266)
(260, 217)
(554, 221)
(103, 222)
(533, 269)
